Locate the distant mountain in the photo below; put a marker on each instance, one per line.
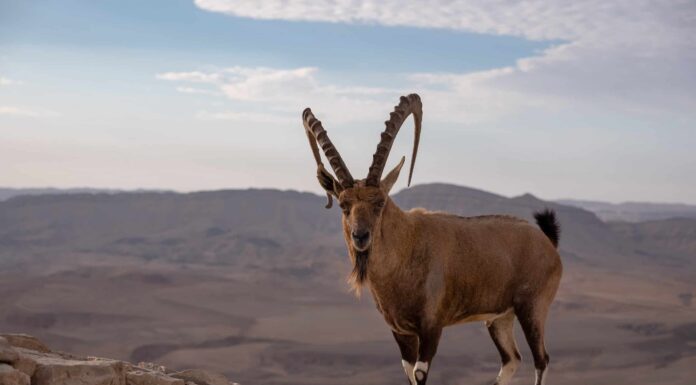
(245, 227)
(634, 211)
(7, 192)
(273, 229)
(269, 228)
(668, 239)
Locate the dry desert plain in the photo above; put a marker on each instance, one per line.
(251, 283)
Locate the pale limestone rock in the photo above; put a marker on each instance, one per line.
(153, 367)
(25, 363)
(24, 360)
(11, 376)
(8, 354)
(202, 377)
(53, 370)
(26, 341)
(145, 377)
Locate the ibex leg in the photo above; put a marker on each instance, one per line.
(501, 331)
(408, 345)
(427, 347)
(532, 318)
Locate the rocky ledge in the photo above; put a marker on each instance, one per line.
(24, 360)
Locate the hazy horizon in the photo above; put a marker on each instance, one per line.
(319, 192)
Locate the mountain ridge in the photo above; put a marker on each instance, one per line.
(633, 211)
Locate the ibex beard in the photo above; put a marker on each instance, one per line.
(427, 270)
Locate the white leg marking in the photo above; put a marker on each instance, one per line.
(408, 368)
(506, 372)
(541, 376)
(421, 367)
(507, 340)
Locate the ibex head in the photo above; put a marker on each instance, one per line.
(362, 201)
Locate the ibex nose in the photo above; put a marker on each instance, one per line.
(360, 236)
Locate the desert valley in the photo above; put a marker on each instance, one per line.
(251, 283)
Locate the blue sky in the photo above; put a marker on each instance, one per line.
(592, 101)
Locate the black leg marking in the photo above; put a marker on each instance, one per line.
(532, 321)
(426, 352)
(408, 345)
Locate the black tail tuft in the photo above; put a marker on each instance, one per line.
(546, 219)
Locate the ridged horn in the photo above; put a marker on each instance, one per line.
(319, 138)
(408, 105)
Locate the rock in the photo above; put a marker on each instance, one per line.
(10, 376)
(24, 360)
(144, 377)
(25, 363)
(26, 341)
(152, 367)
(53, 370)
(202, 377)
(8, 354)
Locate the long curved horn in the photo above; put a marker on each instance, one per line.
(317, 136)
(410, 104)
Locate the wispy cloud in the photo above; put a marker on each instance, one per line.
(245, 117)
(26, 112)
(266, 84)
(280, 92)
(626, 54)
(9, 82)
(191, 90)
(194, 76)
(533, 19)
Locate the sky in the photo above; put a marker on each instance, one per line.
(585, 99)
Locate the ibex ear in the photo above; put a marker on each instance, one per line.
(329, 183)
(388, 182)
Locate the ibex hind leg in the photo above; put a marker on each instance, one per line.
(501, 331)
(532, 318)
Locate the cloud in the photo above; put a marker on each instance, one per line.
(26, 112)
(9, 82)
(470, 98)
(246, 117)
(629, 55)
(265, 84)
(191, 90)
(533, 19)
(194, 76)
(272, 94)
(249, 83)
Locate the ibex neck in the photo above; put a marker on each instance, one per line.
(393, 242)
(393, 215)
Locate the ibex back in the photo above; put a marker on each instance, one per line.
(427, 270)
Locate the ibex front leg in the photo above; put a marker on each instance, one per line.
(427, 347)
(408, 345)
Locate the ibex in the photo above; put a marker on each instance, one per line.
(427, 270)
